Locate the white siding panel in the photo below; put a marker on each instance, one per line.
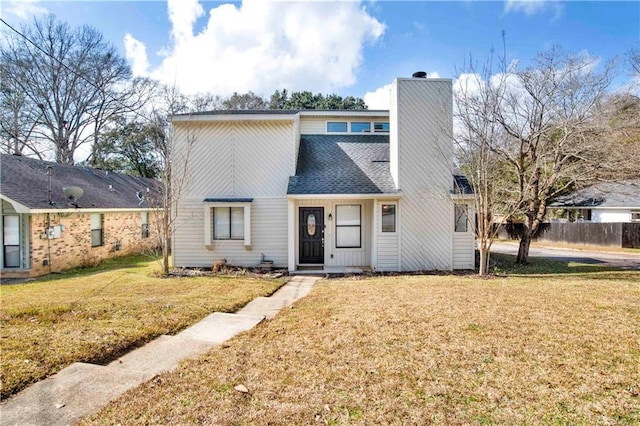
(602, 215)
(387, 242)
(268, 236)
(463, 250)
(309, 126)
(263, 158)
(425, 158)
(236, 159)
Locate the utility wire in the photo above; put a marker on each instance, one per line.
(77, 74)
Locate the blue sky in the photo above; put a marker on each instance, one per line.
(351, 48)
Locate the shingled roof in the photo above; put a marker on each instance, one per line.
(343, 164)
(603, 195)
(26, 181)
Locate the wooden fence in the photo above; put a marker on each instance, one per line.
(626, 235)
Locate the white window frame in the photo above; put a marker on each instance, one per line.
(4, 240)
(144, 222)
(637, 213)
(326, 128)
(351, 123)
(465, 210)
(101, 229)
(208, 222)
(359, 226)
(395, 218)
(380, 131)
(372, 127)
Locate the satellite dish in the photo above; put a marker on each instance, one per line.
(73, 192)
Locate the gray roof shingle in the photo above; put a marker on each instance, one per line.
(604, 194)
(25, 180)
(343, 164)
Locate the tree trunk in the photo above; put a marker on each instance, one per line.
(523, 249)
(484, 261)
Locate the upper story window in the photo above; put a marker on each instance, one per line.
(635, 216)
(357, 126)
(336, 126)
(360, 127)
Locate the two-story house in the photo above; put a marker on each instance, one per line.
(331, 190)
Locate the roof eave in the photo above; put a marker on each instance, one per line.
(234, 117)
(18, 207)
(378, 196)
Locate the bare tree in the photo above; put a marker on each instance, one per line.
(477, 97)
(18, 118)
(548, 114)
(634, 59)
(529, 135)
(72, 80)
(174, 176)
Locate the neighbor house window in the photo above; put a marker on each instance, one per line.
(337, 126)
(348, 226)
(360, 127)
(388, 218)
(144, 217)
(96, 230)
(381, 127)
(11, 239)
(635, 216)
(228, 223)
(461, 217)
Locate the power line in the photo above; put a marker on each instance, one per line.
(74, 72)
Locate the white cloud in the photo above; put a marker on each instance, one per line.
(261, 46)
(381, 97)
(532, 7)
(136, 53)
(23, 9)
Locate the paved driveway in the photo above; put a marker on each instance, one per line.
(610, 259)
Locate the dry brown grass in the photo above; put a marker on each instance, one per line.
(558, 349)
(94, 317)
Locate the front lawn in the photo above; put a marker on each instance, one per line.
(94, 315)
(560, 348)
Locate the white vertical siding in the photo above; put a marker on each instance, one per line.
(341, 256)
(268, 236)
(602, 215)
(464, 243)
(463, 250)
(386, 242)
(313, 126)
(422, 137)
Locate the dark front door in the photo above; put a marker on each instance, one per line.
(311, 235)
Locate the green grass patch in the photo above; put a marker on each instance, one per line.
(96, 314)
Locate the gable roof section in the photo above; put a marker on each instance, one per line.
(343, 164)
(603, 195)
(25, 180)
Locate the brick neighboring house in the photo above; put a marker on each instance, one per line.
(43, 230)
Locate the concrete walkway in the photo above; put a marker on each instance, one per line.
(82, 389)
